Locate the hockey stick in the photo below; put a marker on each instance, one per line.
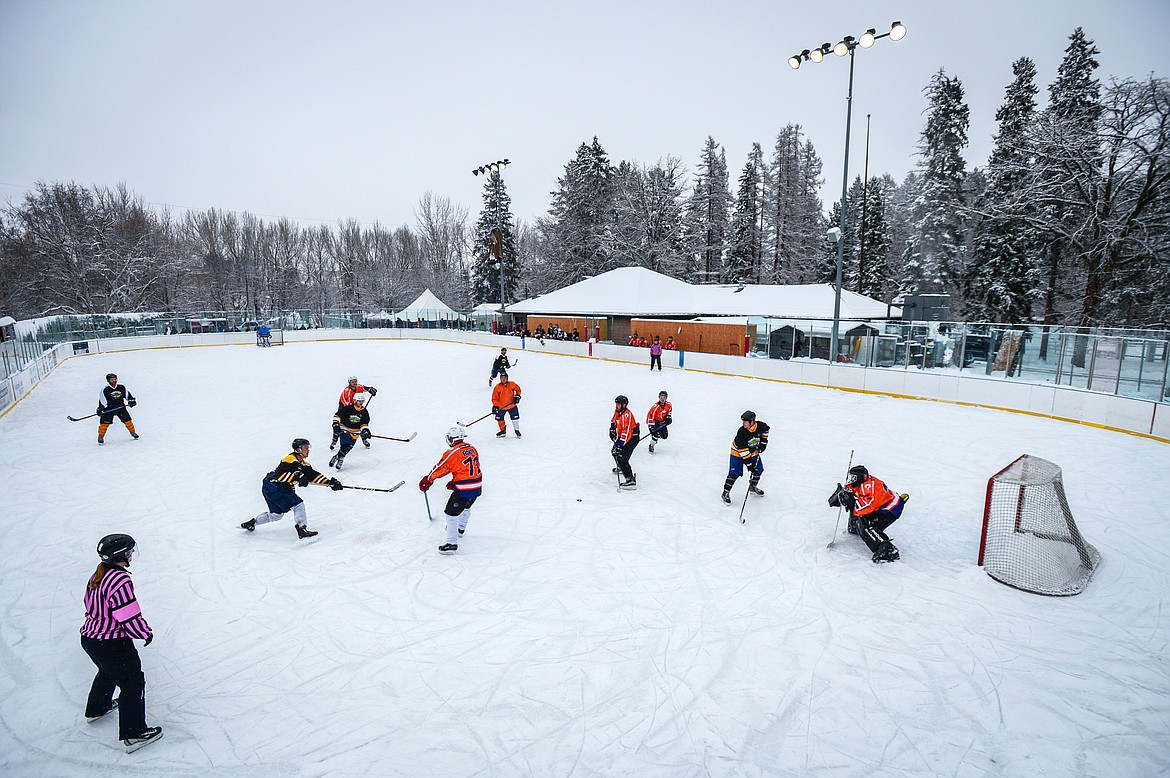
(839, 507)
(99, 413)
(481, 418)
(400, 440)
(746, 494)
(371, 489)
(428, 499)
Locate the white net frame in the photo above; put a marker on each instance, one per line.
(1030, 540)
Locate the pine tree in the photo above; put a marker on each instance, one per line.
(934, 252)
(1067, 131)
(793, 233)
(874, 243)
(999, 283)
(578, 235)
(744, 247)
(710, 214)
(486, 269)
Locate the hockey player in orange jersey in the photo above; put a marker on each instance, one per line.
(461, 462)
(506, 400)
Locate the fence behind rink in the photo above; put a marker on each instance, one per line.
(1111, 379)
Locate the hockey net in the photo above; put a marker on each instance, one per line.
(1030, 540)
(276, 338)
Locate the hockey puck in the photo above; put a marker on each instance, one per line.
(578, 499)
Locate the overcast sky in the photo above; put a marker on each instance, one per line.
(329, 110)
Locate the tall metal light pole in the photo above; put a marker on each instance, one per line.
(845, 47)
(496, 247)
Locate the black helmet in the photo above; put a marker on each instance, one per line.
(621, 399)
(115, 548)
(298, 442)
(663, 393)
(857, 474)
(111, 375)
(747, 416)
(503, 374)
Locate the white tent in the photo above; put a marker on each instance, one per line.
(428, 307)
(637, 291)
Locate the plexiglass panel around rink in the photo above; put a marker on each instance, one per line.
(1130, 363)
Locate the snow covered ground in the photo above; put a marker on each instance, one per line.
(579, 631)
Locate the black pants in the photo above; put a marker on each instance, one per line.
(656, 359)
(118, 667)
(623, 459)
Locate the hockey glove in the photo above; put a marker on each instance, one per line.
(335, 485)
(371, 390)
(132, 403)
(366, 434)
(495, 409)
(100, 409)
(149, 638)
(424, 484)
(516, 400)
(612, 434)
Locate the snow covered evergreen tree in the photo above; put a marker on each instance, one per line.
(1000, 278)
(743, 255)
(1067, 136)
(934, 251)
(710, 213)
(485, 269)
(578, 235)
(874, 243)
(793, 232)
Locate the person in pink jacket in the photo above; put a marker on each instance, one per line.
(656, 353)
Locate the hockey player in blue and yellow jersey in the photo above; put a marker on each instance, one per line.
(750, 441)
(279, 490)
(349, 425)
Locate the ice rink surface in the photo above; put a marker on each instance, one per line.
(579, 631)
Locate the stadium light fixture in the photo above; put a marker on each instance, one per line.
(846, 47)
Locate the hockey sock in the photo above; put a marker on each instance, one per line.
(463, 519)
(503, 426)
(102, 430)
(453, 529)
(130, 426)
(730, 482)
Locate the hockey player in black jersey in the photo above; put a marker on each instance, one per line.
(348, 426)
(751, 439)
(279, 490)
(114, 400)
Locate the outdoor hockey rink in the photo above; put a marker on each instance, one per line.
(580, 630)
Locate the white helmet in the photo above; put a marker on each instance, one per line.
(352, 378)
(361, 398)
(455, 433)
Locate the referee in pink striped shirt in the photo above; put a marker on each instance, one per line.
(112, 621)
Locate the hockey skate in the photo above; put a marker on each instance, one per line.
(853, 525)
(631, 482)
(755, 490)
(151, 734)
(304, 532)
(461, 532)
(517, 433)
(886, 552)
(134, 435)
(101, 440)
(249, 525)
(726, 497)
(448, 548)
(502, 434)
(652, 442)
